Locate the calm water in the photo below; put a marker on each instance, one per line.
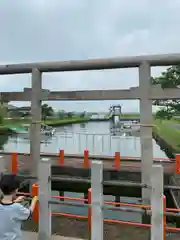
(95, 136)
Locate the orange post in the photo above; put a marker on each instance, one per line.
(117, 160)
(164, 217)
(35, 214)
(89, 210)
(86, 158)
(177, 163)
(61, 157)
(14, 162)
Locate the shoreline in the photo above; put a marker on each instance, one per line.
(4, 129)
(64, 122)
(167, 136)
(164, 146)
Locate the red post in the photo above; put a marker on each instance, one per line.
(117, 160)
(35, 214)
(61, 157)
(177, 163)
(164, 217)
(89, 210)
(86, 158)
(14, 163)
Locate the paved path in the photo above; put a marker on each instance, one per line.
(174, 126)
(34, 236)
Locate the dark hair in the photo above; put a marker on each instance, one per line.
(9, 183)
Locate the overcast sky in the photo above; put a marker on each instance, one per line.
(47, 30)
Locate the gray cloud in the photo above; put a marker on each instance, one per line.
(47, 30)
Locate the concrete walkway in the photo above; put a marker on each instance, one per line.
(34, 236)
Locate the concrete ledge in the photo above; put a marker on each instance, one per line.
(34, 236)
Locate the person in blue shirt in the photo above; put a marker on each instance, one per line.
(12, 212)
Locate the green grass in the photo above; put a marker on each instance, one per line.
(15, 121)
(3, 129)
(171, 135)
(59, 122)
(52, 122)
(130, 115)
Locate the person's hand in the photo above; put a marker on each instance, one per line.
(19, 199)
(35, 200)
(33, 203)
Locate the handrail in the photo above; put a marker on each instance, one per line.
(105, 202)
(93, 156)
(45, 178)
(87, 159)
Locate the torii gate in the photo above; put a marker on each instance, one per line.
(145, 93)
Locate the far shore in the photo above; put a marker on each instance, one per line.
(6, 127)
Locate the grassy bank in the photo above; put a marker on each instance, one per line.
(4, 129)
(61, 122)
(53, 122)
(167, 130)
(130, 115)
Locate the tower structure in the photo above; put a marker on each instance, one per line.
(115, 117)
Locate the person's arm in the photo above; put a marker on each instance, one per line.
(19, 199)
(23, 212)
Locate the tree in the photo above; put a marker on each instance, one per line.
(163, 114)
(69, 114)
(83, 114)
(170, 78)
(47, 111)
(61, 114)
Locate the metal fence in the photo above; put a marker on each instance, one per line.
(76, 142)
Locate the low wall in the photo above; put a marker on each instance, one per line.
(78, 171)
(70, 227)
(78, 228)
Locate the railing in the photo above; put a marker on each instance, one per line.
(85, 160)
(96, 205)
(99, 144)
(104, 144)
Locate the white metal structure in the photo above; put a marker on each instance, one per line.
(24, 132)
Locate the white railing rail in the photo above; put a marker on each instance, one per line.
(102, 143)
